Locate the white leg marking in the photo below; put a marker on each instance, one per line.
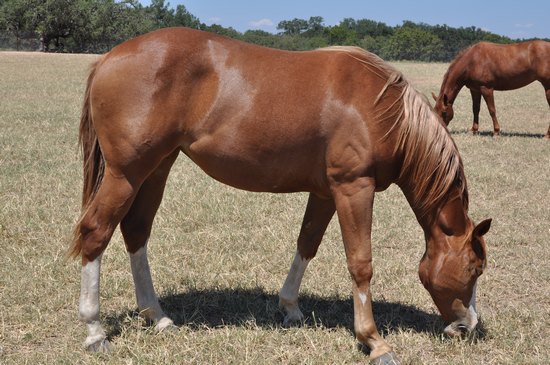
(472, 313)
(468, 321)
(362, 297)
(145, 292)
(288, 297)
(89, 306)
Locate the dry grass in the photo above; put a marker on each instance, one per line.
(219, 256)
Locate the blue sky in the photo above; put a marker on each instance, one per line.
(512, 18)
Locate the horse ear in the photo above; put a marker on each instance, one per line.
(433, 96)
(482, 228)
(477, 245)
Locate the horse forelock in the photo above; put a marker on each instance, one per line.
(431, 163)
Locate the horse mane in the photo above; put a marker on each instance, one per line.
(454, 62)
(431, 163)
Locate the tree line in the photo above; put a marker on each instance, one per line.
(95, 26)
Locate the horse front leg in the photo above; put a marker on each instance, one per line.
(476, 106)
(490, 101)
(318, 214)
(354, 205)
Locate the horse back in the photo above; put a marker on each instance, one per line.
(255, 118)
(506, 66)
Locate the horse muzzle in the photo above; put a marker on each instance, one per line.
(464, 325)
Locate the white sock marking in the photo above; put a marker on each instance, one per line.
(145, 292)
(89, 301)
(291, 287)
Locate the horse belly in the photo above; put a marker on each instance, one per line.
(259, 165)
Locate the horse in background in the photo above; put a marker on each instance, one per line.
(338, 123)
(485, 67)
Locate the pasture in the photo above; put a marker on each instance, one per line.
(219, 256)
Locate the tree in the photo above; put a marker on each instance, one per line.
(14, 18)
(315, 26)
(293, 27)
(161, 14)
(182, 17)
(56, 20)
(342, 35)
(413, 43)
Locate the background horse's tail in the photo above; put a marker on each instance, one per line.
(94, 164)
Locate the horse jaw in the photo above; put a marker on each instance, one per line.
(467, 318)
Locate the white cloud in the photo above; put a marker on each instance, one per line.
(215, 20)
(262, 23)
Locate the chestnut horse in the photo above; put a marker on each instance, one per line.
(485, 67)
(338, 123)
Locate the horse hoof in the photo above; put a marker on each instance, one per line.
(389, 358)
(102, 346)
(166, 325)
(292, 318)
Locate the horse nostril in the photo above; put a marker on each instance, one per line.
(463, 329)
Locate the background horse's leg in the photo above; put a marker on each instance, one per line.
(547, 91)
(107, 208)
(318, 214)
(136, 228)
(490, 101)
(354, 204)
(476, 105)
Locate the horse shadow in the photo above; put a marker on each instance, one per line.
(255, 307)
(502, 134)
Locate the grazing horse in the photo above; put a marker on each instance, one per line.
(338, 123)
(485, 67)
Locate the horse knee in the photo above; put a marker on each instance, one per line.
(360, 271)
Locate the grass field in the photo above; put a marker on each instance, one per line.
(219, 256)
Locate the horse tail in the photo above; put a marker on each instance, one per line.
(93, 162)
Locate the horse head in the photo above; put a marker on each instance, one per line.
(443, 107)
(450, 267)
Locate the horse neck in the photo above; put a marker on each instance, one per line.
(453, 80)
(448, 217)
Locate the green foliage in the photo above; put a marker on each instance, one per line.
(95, 26)
(413, 43)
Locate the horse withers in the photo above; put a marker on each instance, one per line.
(338, 123)
(485, 67)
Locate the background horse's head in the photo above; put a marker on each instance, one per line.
(443, 108)
(449, 270)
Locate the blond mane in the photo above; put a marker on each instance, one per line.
(431, 162)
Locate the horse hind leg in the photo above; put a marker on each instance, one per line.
(136, 228)
(318, 214)
(96, 227)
